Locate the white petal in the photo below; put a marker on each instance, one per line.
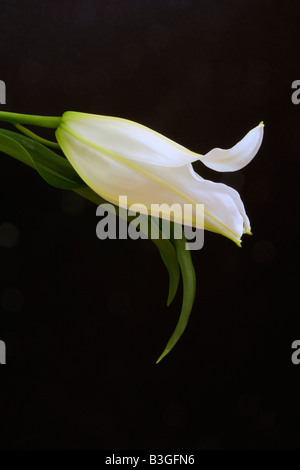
(147, 184)
(233, 194)
(224, 210)
(128, 139)
(238, 156)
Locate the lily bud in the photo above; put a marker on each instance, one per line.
(119, 157)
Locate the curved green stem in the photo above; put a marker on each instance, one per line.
(51, 122)
(36, 137)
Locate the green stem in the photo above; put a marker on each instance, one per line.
(36, 137)
(52, 122)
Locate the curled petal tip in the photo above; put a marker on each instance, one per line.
(238, 156)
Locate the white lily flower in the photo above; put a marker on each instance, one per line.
(116, 157)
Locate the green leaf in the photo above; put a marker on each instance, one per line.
(189, 291)
(54, 169)
(168, 255)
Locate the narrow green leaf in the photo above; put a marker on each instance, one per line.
(189, 291)
(168, 255)
(14, 149)
(54, 169)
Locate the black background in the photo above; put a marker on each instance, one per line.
(83, 320)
